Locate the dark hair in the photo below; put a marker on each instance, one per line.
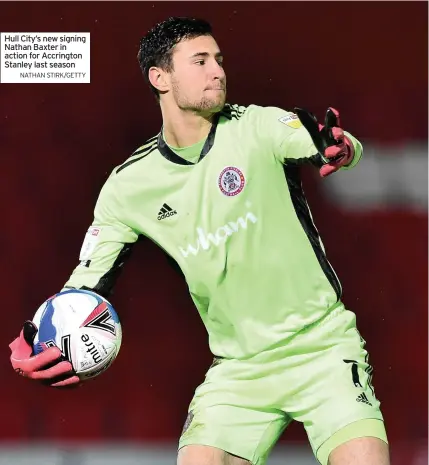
(156, 47)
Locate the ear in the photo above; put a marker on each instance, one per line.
(158, 78)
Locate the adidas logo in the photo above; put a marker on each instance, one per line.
(362, 398)
(165, 212)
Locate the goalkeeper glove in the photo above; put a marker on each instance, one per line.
(50, 367)
(334, 147)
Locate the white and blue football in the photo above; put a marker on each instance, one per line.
(84, 326)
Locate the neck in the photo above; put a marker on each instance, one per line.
(185, 128)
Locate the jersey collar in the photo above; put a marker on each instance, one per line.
(167, 153)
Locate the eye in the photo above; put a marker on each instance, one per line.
(200, 62)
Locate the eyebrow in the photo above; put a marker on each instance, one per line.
(206, 54)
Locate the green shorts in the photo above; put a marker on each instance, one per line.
(322, 379)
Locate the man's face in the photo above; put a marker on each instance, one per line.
(198, 81)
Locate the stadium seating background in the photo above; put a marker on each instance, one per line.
(59, 142)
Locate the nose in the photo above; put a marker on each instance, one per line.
(219, 73)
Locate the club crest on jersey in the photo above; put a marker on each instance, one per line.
(231, 181)
(291, 120)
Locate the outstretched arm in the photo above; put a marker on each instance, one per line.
(297, 137)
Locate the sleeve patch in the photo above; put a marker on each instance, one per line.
(90, 241)
(291, 120)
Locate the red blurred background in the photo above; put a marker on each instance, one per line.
(58, 142)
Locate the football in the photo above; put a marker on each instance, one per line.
(84, 326)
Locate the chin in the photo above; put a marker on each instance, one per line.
(208, 106)
(217, 105)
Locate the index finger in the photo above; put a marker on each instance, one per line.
(36, 362)
(310, 123)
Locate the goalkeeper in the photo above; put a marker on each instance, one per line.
(219, 190)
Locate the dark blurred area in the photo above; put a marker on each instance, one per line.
(58, 143)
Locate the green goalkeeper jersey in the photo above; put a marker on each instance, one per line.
(235, 220)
